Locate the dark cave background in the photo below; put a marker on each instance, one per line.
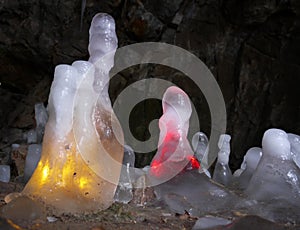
(252, 47)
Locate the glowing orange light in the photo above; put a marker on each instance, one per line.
(45, 173)
(83, 182)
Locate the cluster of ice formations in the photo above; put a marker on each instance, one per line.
(80, 145)
(269, 177)
(82, 149)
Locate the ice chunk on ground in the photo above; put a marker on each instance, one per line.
(210, 222)
(32, 158)
(4, 173)
(196, 194)
(222, 173)
(124, 190)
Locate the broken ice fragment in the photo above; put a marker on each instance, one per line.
(208, 222)
(174, 151)
(4, 173)
(222, 173)
(124, 190)
(32, 159)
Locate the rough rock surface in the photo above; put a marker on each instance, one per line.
(251, 47)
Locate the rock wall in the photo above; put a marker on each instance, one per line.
(251, 47)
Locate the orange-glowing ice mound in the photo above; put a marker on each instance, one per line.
(82, 150)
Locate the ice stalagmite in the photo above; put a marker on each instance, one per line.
(174, 151)
(222, 173)
(248, 167)
(82, 149)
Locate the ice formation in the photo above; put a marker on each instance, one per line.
(174, 151)
(41, 117)
(222, 173)
(82, 148)
(248, 167)
(200, 145)
(32, 159)
(295, 147)
(4, 173)
(208, 222)
(277, 177)
(124, 190)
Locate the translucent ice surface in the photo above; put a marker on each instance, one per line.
(41, 117)
(124, 190)
(210, 222)
(196, 194)
(174, 151)
(32, 158)
(200, 145)
(82, 150)
(295, 147)
(249, 165)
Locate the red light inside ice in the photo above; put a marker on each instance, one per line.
(168, 147)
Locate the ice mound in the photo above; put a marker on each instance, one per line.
(174, 151)
(82, 148)
(277, 177)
